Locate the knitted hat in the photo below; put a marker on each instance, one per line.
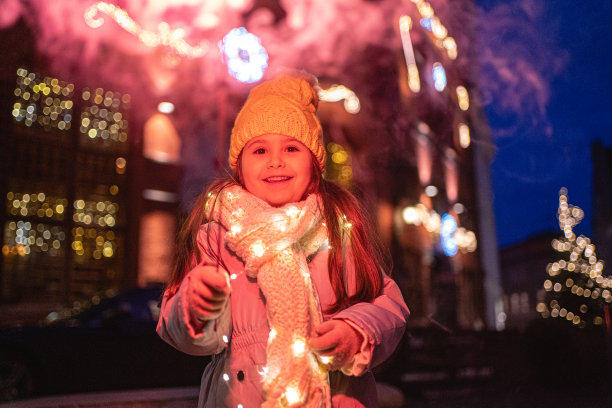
(285, 105)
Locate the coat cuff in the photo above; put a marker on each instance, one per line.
(360, 362)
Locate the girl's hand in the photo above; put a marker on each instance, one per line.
(208, 290)
(336, 339)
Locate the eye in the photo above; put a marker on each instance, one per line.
(259, 150)
(293, 149)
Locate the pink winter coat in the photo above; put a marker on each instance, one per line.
(237, 339)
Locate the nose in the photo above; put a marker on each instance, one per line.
(276, 162)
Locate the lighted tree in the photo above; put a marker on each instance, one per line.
(576, 290)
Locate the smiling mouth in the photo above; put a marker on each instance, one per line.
(277, 179)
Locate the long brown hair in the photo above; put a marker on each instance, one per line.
(349, 226)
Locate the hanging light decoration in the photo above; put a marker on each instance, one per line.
(414, 83)
(244, 55)
(173, 39)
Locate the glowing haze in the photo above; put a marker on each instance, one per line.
(329, 38)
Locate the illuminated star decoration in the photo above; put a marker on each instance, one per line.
(173, 39)
(244, 55)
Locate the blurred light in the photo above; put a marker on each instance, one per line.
(451, 47)
(410, 215)
(431, 190)
(464, 135)
(439, 77)
(173, 39)
(427, 24)
(414, 83)
(458, 208)
(447, 229)
(339, 92)
(160, 196)
(463, 98)
(165, 107)
(438, 30)
(244, 55)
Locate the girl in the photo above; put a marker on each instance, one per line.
(279, 276)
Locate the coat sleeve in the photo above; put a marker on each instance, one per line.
(174, 325)
(381, 323)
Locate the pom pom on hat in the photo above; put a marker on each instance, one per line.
(285, 105)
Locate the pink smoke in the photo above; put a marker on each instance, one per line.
(518, 63)
(320, 36)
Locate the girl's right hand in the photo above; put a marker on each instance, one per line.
(208, 290)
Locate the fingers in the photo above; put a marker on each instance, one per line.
(327, 339)
(337, 339)
(216, 279)
(208, 292)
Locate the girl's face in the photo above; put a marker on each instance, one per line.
(276, 168)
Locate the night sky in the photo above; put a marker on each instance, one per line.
(540, 152)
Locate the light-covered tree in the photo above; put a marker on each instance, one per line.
(575, 289)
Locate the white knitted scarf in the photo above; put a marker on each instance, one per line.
(274, 243)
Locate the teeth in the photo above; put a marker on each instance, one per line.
(278, 178)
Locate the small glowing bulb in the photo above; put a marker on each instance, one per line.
(272, 335)
(292, 211)
(257, 249)
(292, 395)
(233, 276)
(299, 347)
(225, 339)
(326, 359)
(226, 377)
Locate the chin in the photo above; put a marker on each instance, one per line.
(279, 202)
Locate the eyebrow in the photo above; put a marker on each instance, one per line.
(255, 141)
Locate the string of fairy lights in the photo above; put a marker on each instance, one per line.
(576, 285)
(172, 38)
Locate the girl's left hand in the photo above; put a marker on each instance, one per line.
(336, 339)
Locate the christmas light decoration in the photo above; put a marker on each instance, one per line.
(576, 289)
(431, 23)
(173, 39)
(464, 135)
(244, 55)
(439, 77)
(463, 98)
(414, 83)
(337, 93)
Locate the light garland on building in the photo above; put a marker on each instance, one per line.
(431, 23)
(443, 41)
(576, 284)
(173, 39)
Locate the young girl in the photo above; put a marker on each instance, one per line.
(279, 275)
